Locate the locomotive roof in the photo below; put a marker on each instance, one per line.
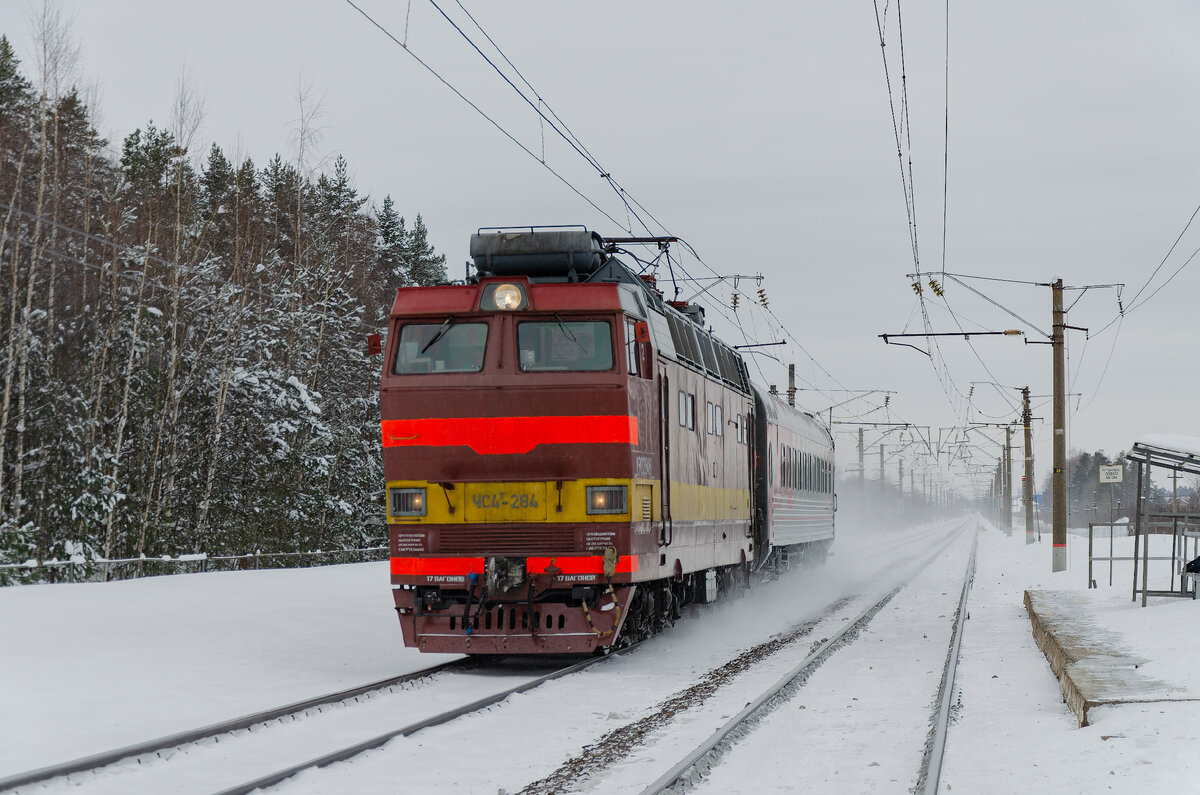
(572, 268)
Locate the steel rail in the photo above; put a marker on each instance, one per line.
(105, 758)
(366, 745)
(931, 763)
(676, 775)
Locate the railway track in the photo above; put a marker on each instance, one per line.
(935, 744)
(351, 751)
(122, 769)
(695, 766)
(105, 758)
(617, 744)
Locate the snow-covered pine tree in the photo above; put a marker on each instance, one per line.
(425, 266)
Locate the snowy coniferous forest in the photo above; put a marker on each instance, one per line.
(183, 340)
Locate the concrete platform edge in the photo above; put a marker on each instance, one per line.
(1059, 664)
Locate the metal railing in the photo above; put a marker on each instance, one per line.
(79, 569)
(1181, 527)
(1094, 558)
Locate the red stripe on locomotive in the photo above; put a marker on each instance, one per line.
(436, 567)
(572, 564)
(592, 564)
(509, 435)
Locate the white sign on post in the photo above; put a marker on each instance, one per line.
(1115, 474)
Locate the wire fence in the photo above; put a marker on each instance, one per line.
(80, 569)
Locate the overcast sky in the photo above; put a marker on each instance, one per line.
(762, 133)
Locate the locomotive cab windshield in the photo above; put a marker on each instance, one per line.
(446, 347)
(565, 345)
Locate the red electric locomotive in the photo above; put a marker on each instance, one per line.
(570, 459)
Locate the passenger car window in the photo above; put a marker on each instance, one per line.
(446, 347)
(561, 345)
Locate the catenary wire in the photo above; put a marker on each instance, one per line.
(488, 118)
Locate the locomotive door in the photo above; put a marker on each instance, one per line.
(751, 471)
(666, 532)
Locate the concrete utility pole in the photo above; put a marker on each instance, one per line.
(882, 482)
(1027, 418)
(862, 470)
(791, 395)
(1059, 479)
(1008, 479)
(998, 492)
(900, 481)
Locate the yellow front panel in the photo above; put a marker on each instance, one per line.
(513, 501)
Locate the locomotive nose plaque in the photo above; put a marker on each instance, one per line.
(506, 502)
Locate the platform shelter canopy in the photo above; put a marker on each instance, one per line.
(1169, 451)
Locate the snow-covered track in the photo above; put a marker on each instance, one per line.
(708, 753)
(935, 744)
(617, 744)
(348, 752)
(105, 758)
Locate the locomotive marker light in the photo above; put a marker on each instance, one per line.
(606, 499)
(407, 502)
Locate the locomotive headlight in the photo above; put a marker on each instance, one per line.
(607, 499)
(508, 297)
(406, 502)
(503, 297)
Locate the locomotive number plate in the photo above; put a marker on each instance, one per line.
(506, 502)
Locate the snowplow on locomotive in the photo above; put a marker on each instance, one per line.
(570, 459)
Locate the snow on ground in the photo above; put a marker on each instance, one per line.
(88, 667)
(1012, 732)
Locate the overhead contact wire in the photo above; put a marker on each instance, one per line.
(481, 112)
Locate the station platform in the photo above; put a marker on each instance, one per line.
(1107, 653)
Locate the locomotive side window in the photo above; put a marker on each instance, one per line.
(631, 348)
(561, 345)
(687, 411)
(445, 347)
(714, 417)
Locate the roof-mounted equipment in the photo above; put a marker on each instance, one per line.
(543, 253)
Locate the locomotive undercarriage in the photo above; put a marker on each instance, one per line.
(538, 616)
